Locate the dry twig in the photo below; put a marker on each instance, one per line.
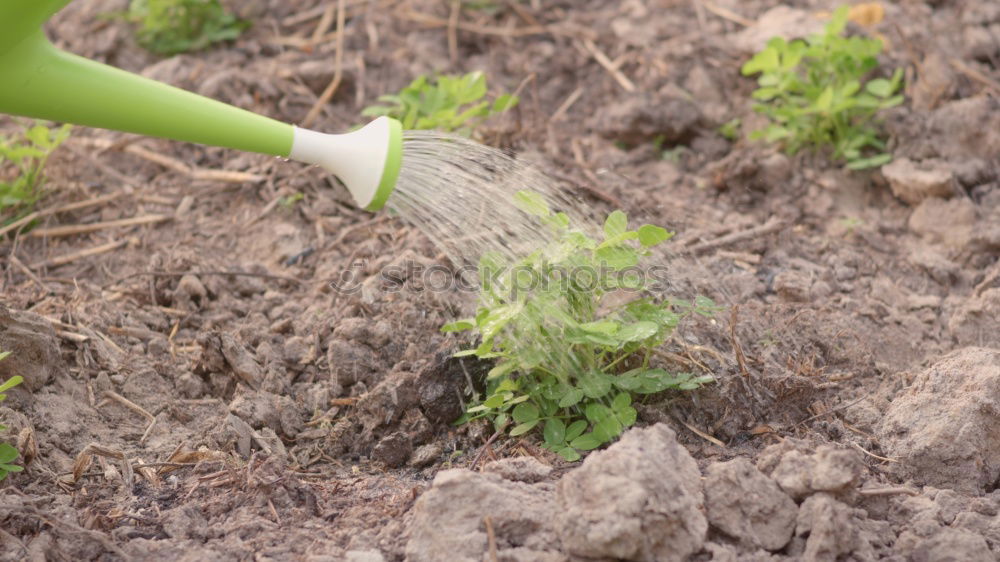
(71, 229)
(27, 219)
(611, 67)
(338, 71)
(80, 254)
(773, 224)
(491, 538)
(726, 13)
(975, 75)
(171, 163)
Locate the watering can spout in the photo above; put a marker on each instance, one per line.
(44, 82)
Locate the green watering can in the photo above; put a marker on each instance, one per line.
(41, 81)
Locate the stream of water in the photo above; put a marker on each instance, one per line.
(461, 195)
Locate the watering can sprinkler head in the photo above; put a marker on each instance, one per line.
(379, 145)
(44, 82)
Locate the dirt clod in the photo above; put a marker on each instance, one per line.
(914, 182)
(943, 428)
(826, 531)
(641, 118)
(748, 506)
(33, 347)
(393, 450)
(799, 473)
(520, 469)
(622, 503)
(449, 519)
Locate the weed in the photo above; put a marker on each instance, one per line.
(815, 95)
(564, 365)
(8, 454)
(730, 130)
(22, 163)
(289, 201)
(450, 103)
(673, 154)
(168, 27)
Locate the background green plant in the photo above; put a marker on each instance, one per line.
(815, 95)
(8, 454)
(562, 364)
(448, 103)
(168, 27)
(22, 165)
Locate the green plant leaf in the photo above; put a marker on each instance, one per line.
(638, 331)
(11, 382)
(594, 384)
(8, 453)
(879, 87)
(597, 412)
(764, 61)
(554, 431)
(627, 416)
(607, 327)
(500, 421)
(869, 162)
(575, 429)
(586, 442)
(615, 225)
(525, 412)
(617, 257)
(607, 429)
(504, 102)
(570, 454)
(532, 203)
(621, 401)
(825, 100)
(571, 398)
(523, 428)
(459, 325)
(495, 401)
(651, 235)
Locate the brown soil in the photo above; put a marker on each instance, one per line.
(199, 391)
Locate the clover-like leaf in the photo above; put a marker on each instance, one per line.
(615, 225)
(532, 203)
(554, 431)
(651, 235)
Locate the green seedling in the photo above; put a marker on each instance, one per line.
(450, 103)
(289, 201)
(22, 165)
(565, 365)
(8, 454)
(169, 27)
(815, 94)
(730, 130)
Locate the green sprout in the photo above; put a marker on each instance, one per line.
(22, 165)
(815, 94)
(8, 454)
(169, 27)
(563, 364)
(450, 103)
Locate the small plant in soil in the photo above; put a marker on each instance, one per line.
(567, 362)
(446, 103)
(169, 27)
(8, 454)
(22, 165)
(815, 94)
